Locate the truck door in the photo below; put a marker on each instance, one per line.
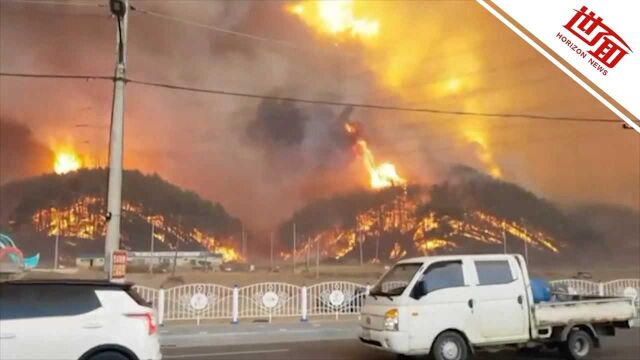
(499, 301)
(441, 303)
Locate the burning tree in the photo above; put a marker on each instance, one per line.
(72, 206)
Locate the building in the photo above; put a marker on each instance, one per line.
(201, 260)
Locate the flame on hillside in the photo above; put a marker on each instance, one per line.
(478, 137)
(381, 175)
(66, 160)
(83, 219)
(410, 58)
(424, 235)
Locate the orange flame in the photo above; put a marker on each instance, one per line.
(430, 232)
(66, 161)
(336, 18)
(83, 219)
(228, 253)
(381, 175)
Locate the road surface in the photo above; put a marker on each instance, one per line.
(624, 346)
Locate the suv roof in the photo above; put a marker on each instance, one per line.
(77, 282)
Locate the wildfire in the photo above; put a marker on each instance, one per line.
(66, 161)
(397, 252)
(381, 176)
(397, 40)
(83, 219)
(335, 18)
(394, 229)
(478, 137)
(228, 253)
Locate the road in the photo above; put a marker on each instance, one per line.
(624, 346)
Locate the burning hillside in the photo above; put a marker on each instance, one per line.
(72, 206)
(469, 213)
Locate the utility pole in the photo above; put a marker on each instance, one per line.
(175, 257)
(504, 239)
(360, 241)
(526, 247)
(293, 254)
(307, 253)
(244, 244)
(271, 252)
(55, 253)
(119, 8)
(317, 257)
(153, 230)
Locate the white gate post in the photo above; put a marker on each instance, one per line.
(367, 289)
(303, 303)
(234, 305)
(601, 289)
(160, 306)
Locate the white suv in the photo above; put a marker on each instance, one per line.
(75, 319)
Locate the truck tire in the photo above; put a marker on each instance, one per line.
(450, 346)
(578, 345)
(108, 355)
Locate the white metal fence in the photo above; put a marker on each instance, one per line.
(276, 299)
(621, 287)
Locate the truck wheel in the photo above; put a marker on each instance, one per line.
(578, 345)
(450, 346)
(108, 355)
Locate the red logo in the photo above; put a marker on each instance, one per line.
(606, 45)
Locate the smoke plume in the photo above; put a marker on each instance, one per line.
(21, 155)
(262, 160)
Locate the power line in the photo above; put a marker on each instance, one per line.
(232, 32)
(365, 105)
(52, 2)
(315, 101)
(57, 76)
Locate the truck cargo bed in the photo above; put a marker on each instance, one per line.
(593, 310)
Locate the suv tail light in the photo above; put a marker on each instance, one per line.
(149, 319)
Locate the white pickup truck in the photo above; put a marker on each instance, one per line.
(451, 306)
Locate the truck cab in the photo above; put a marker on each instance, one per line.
(451, 305)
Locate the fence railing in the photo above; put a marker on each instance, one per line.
(334, 298)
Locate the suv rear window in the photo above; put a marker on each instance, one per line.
(43, 300)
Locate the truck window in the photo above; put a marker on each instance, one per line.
(396, 280)
(443, 275)
(493, 272)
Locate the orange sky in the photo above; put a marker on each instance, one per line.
(444, 55)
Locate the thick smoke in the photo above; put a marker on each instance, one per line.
(278, 124)
(21, 155)
(264, 160)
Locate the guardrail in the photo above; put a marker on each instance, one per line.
(334, 298)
